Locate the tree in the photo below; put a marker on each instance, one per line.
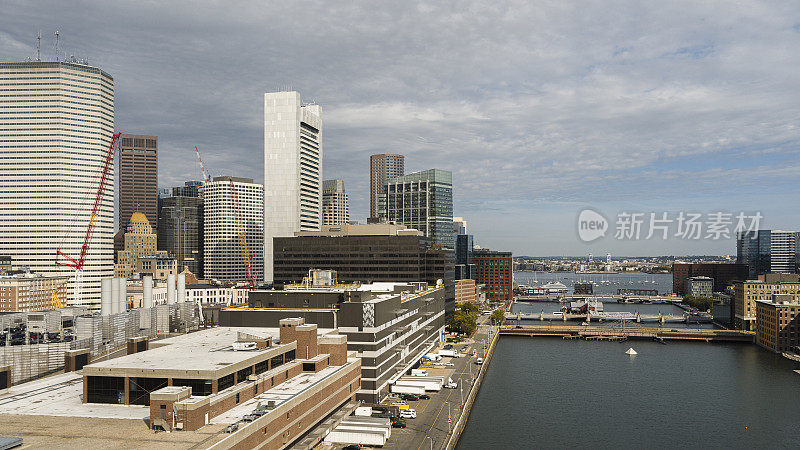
(701, 303)
(498, 316)
(465, 319)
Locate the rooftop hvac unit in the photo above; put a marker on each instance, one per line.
(244, 346)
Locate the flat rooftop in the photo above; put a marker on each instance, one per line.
(60, 395)
(277, 394)
(202, 350)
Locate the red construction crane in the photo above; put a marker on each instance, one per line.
(202, 167)
(248, 269)
(77, 264)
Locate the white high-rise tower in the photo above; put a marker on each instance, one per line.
(55, 128)
(292, 169)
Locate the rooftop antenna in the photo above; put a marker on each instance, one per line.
(57, 32)
(38, 44)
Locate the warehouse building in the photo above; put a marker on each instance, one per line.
(225, 387)
(390, 325)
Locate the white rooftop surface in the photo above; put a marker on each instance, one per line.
(279, 394)
(60, 395)
(203, 350)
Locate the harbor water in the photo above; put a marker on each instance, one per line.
(552, 393)
(604, 283)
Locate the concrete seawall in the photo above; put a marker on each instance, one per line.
(461, 421)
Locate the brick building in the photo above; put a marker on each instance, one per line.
(188, 381)
(495, 270)
(465, 291)
(778, 324)
(747, 293)
(26, 292)
(723, 274)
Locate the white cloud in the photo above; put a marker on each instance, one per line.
(550, 100)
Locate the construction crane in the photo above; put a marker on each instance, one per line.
(248, 268)
(202, 167)
(74, 263)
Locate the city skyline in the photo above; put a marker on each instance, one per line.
(562, 125)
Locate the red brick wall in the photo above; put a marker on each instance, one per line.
(338, 353)
(275, 433)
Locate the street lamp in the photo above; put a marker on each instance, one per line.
(448, 417)
(431, 442)
(461, 388)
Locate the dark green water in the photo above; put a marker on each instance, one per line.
(551, 393)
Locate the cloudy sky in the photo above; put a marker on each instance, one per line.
(539, 108)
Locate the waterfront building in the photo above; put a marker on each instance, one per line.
(722, 274)
(768, 251)
(140, 242)
(422, 201)
(494, 269)
(232, 209)
(292, 170)
(390, 325)
(778, 323)
(25, 291)
(138, 177)
(366, 253)
(465, 291)
(180, 228)
(54, 139)
(747, 293)
(700, 287)
(335, 210)
(382, 167)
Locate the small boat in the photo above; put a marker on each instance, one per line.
(631, 352)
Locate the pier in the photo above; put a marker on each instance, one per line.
(627, 332)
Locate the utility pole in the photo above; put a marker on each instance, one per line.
(461, 388)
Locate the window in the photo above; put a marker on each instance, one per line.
(237, 398)
(225, 382)
(105, 390)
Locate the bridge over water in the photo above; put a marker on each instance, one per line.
(611, 316)
(628, 332)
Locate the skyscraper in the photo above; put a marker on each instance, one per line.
(55, 128)
(459, 226)
(768, 251)
(138, 177)
(180, 227)
(292, 169)
(423, 201)
(335, 210)
(381, 168)
(223, 256)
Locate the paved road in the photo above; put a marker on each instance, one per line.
(430, 429)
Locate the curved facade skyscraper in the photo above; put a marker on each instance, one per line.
(56, 122)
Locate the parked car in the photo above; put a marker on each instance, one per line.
(408, 414)
(449, 364)
(452, 385)
(424, 397)
(398, 423)
(232, 427)
(352, 447)
(409, 397)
